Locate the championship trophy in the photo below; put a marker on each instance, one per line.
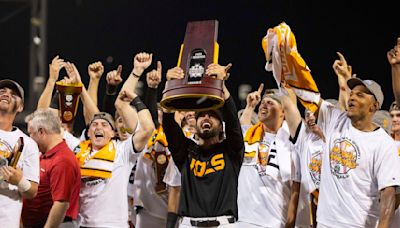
(68, 100)
(196, 91)
(11, 158)
(161, 163)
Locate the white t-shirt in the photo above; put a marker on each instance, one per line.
(145, 182)
(263, 198)
(10, 200)
(356, 165)
(103, 202)
(172, 175)
(71, 140)
(309, 148)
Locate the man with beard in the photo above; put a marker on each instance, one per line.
(23, 180)
(209, 168)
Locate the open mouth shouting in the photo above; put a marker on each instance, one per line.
(206, 125)
(351, 105)
(99, 134)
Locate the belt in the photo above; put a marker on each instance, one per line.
(208, 221)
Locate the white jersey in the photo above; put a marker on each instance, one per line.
(145, 182)
(263, 196)
(10, 199)
(131, 181)
(308, 149)
(172, 175)
(396, 217)
(71, 140)
(356, 165)
(103, 202)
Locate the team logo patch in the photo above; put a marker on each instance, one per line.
(343, 157)
(314, 167)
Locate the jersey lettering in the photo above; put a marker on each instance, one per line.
(203, 168)
(272, 161)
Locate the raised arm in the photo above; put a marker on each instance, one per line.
(344, 73)
(252, 100)
(153, 78)
(126, 104)
(88, 104)
(95, 71)
(54, 69)
(394, 59)
(292, 113)
(233, 130)
(140, 63)
(113, 79)
(175, 136)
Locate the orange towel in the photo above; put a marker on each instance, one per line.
(285, 62)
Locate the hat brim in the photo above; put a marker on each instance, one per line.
(13, 86)
(353, 82)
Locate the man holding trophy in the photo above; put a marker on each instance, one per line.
(21, 180)
(210, 169)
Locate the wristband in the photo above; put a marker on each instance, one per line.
(138, 104)
(23, 185)
(171, 219)
(135, 75)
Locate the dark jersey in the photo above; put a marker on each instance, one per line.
(209, 176)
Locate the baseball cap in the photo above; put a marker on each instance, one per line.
(13, 85)
(371, 85)
(394, 106)
(214, 112)
(274, 94)
(104, 116)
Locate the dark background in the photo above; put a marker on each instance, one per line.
(113, 31)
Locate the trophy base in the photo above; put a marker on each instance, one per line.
(193, 97)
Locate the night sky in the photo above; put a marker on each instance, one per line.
(84, 31)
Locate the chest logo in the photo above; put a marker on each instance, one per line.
(343, 157)
(203, 168)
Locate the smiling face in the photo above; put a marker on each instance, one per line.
(361, 103)
(395, 114)
(10, 102)
(208, 125)
(269, 110)
(310, 119)
(100, 133)
(190, 118)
